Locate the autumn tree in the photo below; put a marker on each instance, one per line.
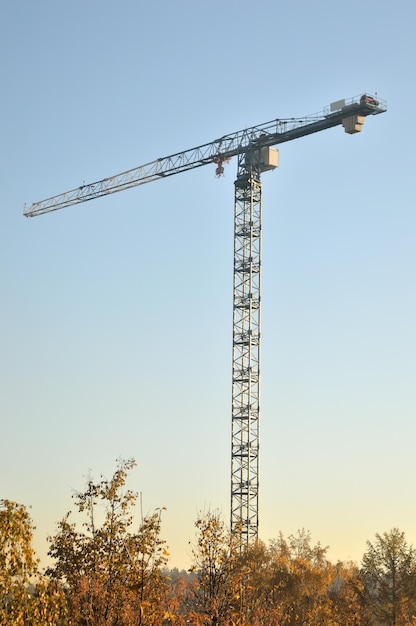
(216, 558)
(112, 573)
(346, 592)
(389, 574)
(293, 582)
(300, 581)
(257, 599)
(26, 597)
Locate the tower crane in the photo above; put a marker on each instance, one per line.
(255, 152)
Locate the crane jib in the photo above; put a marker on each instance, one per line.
(269, 134)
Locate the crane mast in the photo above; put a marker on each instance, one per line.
(254, 150)
(245, 404)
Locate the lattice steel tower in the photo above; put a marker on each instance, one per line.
(246, 342)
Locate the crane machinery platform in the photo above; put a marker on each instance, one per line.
(255, 151)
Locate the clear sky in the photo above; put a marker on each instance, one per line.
(116, 315)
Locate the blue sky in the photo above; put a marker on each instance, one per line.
(116, 317)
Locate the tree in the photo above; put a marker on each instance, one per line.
(301, 578)
(216, 567)
(17, 559)
(112, 574)
(293, 582)
(26, 597)
(346, 593)
(389, 574)
(257, 601)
